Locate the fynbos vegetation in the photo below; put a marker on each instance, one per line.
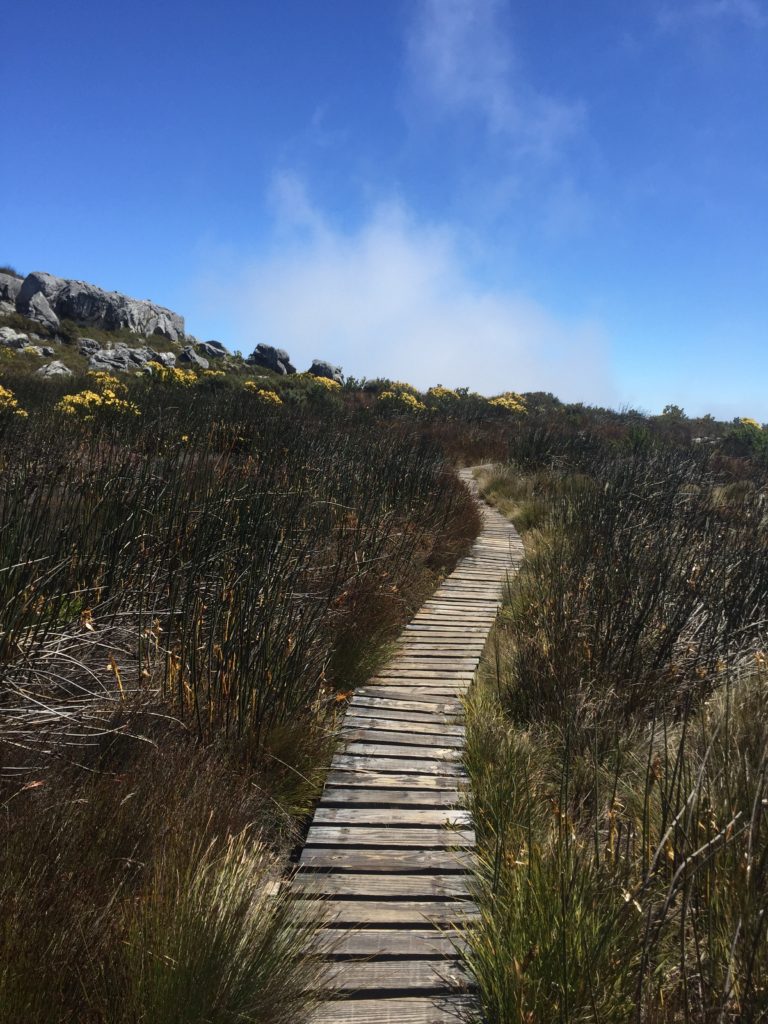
(187, 588)
(617, 746)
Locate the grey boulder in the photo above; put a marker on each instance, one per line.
(13, 339)
(54, 369)
(120, 358)
(167, 359)
(10, 287)
(275, 359)
(211, 349)
(88, 346)
(189, 357)
(39, 308)
(320, 368)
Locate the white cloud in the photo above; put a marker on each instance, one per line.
(394, 298)
(461, 61)
(751, 13)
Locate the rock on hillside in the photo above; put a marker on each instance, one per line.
(271, 358)
(48, 299)
(320, 368)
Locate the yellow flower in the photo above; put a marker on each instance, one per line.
(747, 421)
(327, 383)
(107, 383)
(9, 403)
(86, 404)
(176, 376)
(510, 401)
(400, 401)
(264, 395)
(442, 394)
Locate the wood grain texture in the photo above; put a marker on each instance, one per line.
(415, 977)
(433, 1010)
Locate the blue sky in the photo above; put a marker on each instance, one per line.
(507, 195)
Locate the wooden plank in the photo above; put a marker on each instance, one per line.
(402, 750)
(366, 714)
(443, 666)
(427, 887)
(453, 1009)
(441, 646)
(367, 942)
(344, 858)
(396, 817)
(392, 780)
(403, 977)
(344, 796)
(420, 838)
(452, 630)
(388, 721)
(418, 689)
(397, 766)
(429, 674)
(338, 912)
(447, 708)
(399, 737)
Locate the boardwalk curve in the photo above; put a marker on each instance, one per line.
(390, 844)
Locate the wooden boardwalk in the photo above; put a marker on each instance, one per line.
(390, 845)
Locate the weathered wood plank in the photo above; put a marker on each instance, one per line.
(343, 858)
(366, 714)
(426, 887)
(447, 708)
(403, 751)
(427, 738)
(338, 912)
(381, 721)
(394, 817)
(398, 766)
(368, 942)
(406, 977)
(433, 1010)
(420, 838)
(393, 780)
(344, 796)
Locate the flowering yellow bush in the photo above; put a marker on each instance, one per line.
(749, 422)
(176, 376)
(401, 401)
(107, 382)
(441, 394)
(265, 395)
(9, 404)
(327, 383)
(510, 401)
(107, 400)
(211, 374)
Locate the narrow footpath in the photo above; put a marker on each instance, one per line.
(389, 847)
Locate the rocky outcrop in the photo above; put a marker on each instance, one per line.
(121, 358)
(42, 296)
(13, 339)
(275, 359)
(211, 349)
(88, 346)
(320, 368)
(54, 370)
(10, 287)
(39, 308)
(189, 357)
